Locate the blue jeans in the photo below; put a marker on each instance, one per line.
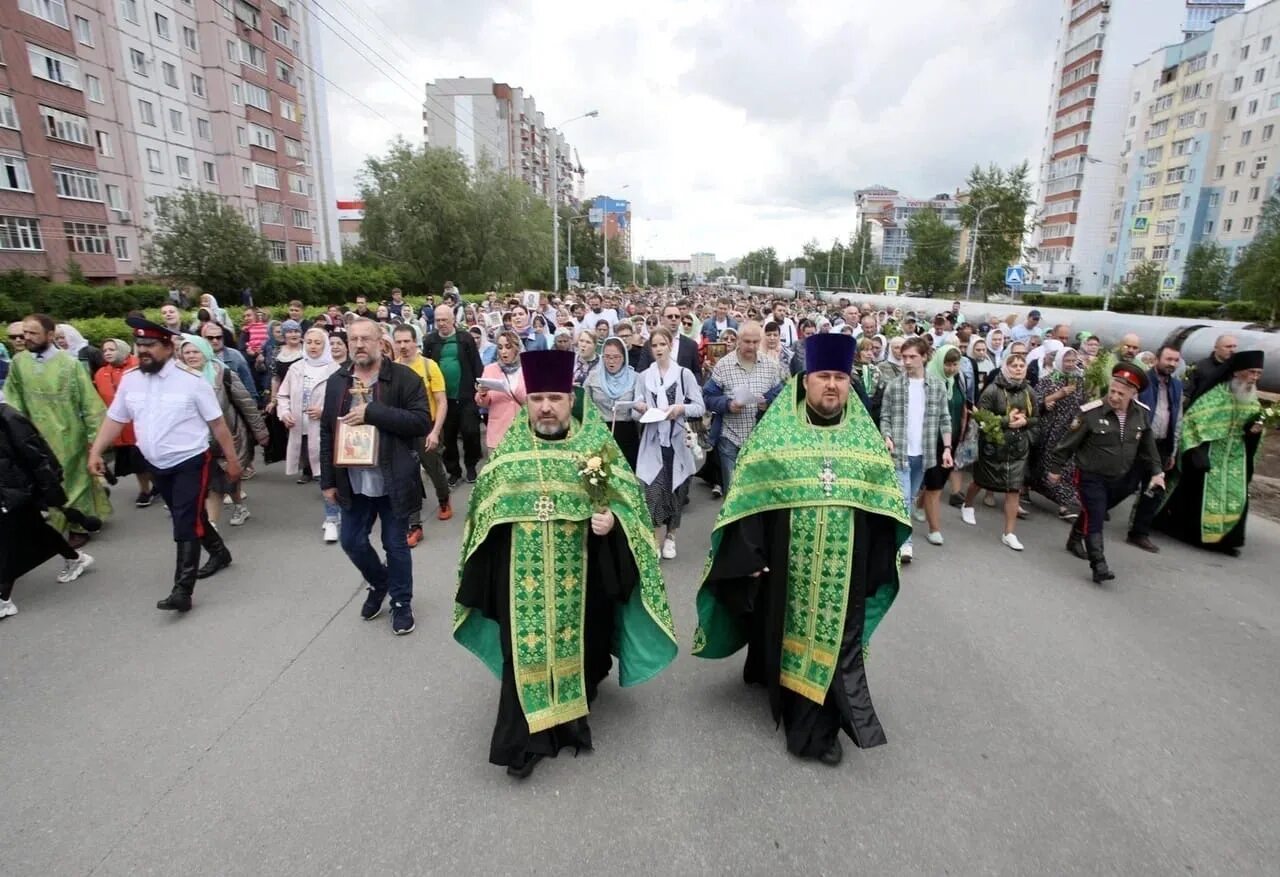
(332, 511)
(911, 478)
(396, 576)
(728, 453)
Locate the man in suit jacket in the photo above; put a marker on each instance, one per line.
(684, 350)
(1162, 396)
(459, 359)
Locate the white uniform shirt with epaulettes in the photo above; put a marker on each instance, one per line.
(170, 412)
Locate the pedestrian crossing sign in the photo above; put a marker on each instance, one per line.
(1168, 285)
(891, 283)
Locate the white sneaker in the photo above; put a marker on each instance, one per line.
(935, 538)
(226, 499)
(239, 514)
(919, 515)
(906, 554)
(7, 608)
(967, 515)
(668, 549)
(1011, 540)
(73, 569)
(330, 531)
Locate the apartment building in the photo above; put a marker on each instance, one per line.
(886, 213)
(104, 108)
(497, 122)
(1088, 106)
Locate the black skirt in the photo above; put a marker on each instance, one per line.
(129, 461)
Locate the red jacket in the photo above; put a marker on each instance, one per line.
(107, 381)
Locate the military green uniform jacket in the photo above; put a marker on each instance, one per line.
(1095, 440)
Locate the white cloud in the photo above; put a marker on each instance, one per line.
(736, 123)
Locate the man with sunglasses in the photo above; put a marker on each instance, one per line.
(17, 340)
(684, 351)
(229, 356)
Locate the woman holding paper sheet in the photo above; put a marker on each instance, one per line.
(613, 390)
(501, 388)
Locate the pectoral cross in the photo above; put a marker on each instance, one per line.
(544, 508)
(827, 477)
(360, 391)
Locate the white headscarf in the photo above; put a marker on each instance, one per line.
(75, 341)
(1045, 351)
(326, 355)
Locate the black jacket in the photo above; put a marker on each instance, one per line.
(29, 472)
(399, 411)
(468, 358)
(687, 356)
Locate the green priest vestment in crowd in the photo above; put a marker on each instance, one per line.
(543, 602)
(817, 502)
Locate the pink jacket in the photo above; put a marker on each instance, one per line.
(503, 407)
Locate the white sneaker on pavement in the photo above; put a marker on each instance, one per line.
(967, 515)
(239, 514)
(668, 549)
(226, 499)
(73, 569)
(1011, 540)
(7, 608)
(906, 554)
(330, 531)
(935, 538)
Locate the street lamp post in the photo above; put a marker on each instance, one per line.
(973, 250)
(555, 201)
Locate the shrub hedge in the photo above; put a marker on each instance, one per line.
(1243, 311)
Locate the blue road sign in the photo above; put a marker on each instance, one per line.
(1015, 275)
(571, 273)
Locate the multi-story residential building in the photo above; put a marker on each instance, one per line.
(1088, 105)
(350, 222)
(886, 214)
(702, 264)
(1203, 14)
(104, 108)
(497, 122)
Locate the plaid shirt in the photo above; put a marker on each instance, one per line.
(731, 376)
(893, 418)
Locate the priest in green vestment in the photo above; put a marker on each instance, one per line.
(804, 557)
(1208, 500)
(553, 581)
(56, 393)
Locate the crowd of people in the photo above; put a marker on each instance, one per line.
(772, 405)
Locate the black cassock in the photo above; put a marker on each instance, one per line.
(1180, 516)
(485, 587)
(764, 540)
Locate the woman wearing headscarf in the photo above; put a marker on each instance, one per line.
(283, 356)
(995, 345)
(665, 462)
(118, 358)
(1060, 393)
(892, 366)
(243, 420)
(613, 390)
(586, 357)
(981, 369)
(216, 314)
(504, 405)
(1040, 359)
(68, 337)
(945, 366)
(301, 404)
(487, 349)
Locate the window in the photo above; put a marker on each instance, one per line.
(146, 113)
(60, 125)
(53, 67)
(1234, 196)
(1239, 168)
(1165, 228)
(1150, 180)
(271, 214)
(1186, 120)
(114, 201)
(1260, 164)
(279, 253)
(257, 96)
(297, 184)
(301, 218)
(1214, 199)
(293, 148)
(86, 237)
(93, 88)
(122, 248)
(1267, 132)
(264, 137)
(1253, 193)
(306, 253)
(1177, 174)
(1208, 227)
(76, 184)
(1247, 224)
(1158, 129)
(1231, 114)
(130, 8)
(1244, 52)
(189, 38)
(1227, 223)
(279, 33)
(1154, 154)
(183, 164)
(170, 74)
(203, 129)
(162, 27)
(8, 112)
(1237, 84)
(54, 11)
(84, 33)
(1253, 106)
(251, 215)
(1146, 205)
(14, 174)
(266, 176)
(197, 85)
(253, 55)
(176, 123)
(236, 94)
(138, 62)
(1162, 103)
(242, 136)
(283, 72)
(1246, 138)
(289, 110)
(153, 161)
(1196, 64)
(246, 176)
(1259, 75)
(20, 233)
(247, 13)
(1137, 254)
(1266, 44)
(209, 172)
(1170, 202)
(104, 143)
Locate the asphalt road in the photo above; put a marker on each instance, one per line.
(1037, 723)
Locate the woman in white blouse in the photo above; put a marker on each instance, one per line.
(665, 463)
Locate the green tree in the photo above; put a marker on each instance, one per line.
(863, 268)
(1207, 273)
(1257, 273)
(1143, 284)
(1004, 197)
(931, 264)
(202, 240)
(761, 268)
(715, 273)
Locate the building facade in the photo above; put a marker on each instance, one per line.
(613, 215)
(702, 264)
(104, 108)
(886, 213)
(498, 123)
(1089, 100)
(1203, 14)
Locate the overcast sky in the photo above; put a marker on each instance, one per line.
(736, 123)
